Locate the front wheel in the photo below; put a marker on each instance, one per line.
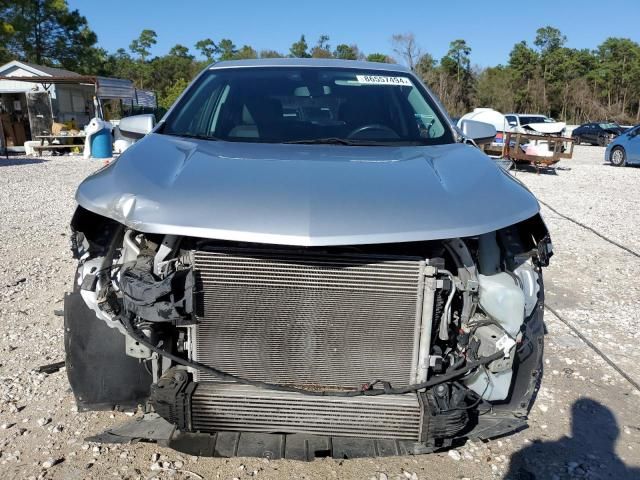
(576, 140)
(618, 157)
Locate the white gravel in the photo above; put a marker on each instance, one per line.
(592, 283)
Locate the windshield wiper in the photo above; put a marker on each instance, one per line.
(338, 141)
(346, 141)
(193, 135)
(323, 141)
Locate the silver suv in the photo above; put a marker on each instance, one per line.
(304, 258)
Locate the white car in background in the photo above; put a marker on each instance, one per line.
(534, 124)
(516, 122)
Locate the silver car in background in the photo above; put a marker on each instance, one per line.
(306, 258)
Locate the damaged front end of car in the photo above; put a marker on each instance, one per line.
(408, 345)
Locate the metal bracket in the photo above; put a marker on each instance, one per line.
(426, 325)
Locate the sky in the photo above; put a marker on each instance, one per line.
(491, 28)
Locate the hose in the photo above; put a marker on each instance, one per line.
(364, 391)
(443, 334)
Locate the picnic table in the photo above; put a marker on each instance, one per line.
(58, 146)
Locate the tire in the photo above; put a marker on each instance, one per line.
(618, 157)
(602, 141)
(576, 140)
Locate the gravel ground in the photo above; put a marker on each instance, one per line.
(586, 422)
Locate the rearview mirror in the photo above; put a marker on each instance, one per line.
(480, 132)
(137, 126)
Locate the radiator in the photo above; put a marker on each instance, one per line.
(306, 318)
(219, 407)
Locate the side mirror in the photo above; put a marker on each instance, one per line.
(137, 126)
(479, 132)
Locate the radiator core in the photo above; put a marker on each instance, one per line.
(217, 407)
(306, 318)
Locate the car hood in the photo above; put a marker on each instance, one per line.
(545, 127)
(305, 194)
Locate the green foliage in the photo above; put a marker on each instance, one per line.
(46, 32)
(616, 76)
(546, 77)
(493, 87)
(300, 48)
(453, 78)
(226, 49)
(549, 39)
(523, 60)
(167, 70)
(524, 66)
(322, 48)
(346, 52)
(458, 58)
(207, 49)
(246, 52)
(270, 54)
(143, 43)
(379, 57)
(426, 64)
(180, 51)
(170, 94)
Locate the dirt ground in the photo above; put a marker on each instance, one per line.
(585, 424)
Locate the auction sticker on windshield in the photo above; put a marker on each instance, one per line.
(383, 80)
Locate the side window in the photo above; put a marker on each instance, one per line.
(512, 120)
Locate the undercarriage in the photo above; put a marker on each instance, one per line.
(406, 346)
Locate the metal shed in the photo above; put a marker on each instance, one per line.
(32, 97)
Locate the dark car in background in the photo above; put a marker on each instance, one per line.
(596, 133)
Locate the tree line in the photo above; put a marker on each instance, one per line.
(544, 76)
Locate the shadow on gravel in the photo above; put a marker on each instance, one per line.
(588, 453)
(532, 169)
(11, 162)
(628, 165)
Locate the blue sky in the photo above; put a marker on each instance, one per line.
(490, 27)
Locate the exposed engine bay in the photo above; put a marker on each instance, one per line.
(420, 342)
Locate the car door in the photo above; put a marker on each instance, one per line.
(579, 132)
(589, 134)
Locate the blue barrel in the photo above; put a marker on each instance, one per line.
(101, 144)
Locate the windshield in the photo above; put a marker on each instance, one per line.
(608, 126)
(308, 105)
